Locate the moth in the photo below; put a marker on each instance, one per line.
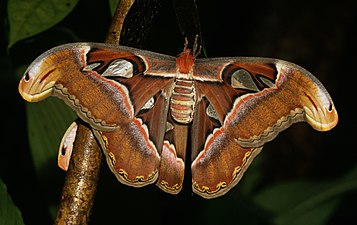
(145, 107)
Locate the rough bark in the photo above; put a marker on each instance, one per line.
(81, 179)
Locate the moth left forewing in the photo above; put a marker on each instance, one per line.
(295, 96)
(271, 95)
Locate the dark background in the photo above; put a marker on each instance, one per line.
(318, 35)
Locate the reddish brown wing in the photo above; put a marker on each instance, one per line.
(123, 93)
(244, 103)
(149, 91)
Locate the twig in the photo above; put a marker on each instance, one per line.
(113, 35)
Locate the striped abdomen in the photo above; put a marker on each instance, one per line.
(183, 101)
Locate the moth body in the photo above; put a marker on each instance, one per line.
(183, 101)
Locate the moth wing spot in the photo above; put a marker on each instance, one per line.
(149, 104)
(119, 68)
(211, 112)
(242, 79)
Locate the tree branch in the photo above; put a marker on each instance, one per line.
(81, 179)
(113, 35)
(83, 173)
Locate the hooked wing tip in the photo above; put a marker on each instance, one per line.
(322, 120)
(26, 90)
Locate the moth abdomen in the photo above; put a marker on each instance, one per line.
(183, 100)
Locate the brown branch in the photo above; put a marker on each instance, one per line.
(83, 173)
(113, 35)
(81, 179)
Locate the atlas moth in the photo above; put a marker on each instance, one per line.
(145, 108)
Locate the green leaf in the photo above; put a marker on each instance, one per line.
(113, 5)
(9, 213)
(30, 17)
(47, 122)
(305, 202)
(252, 177)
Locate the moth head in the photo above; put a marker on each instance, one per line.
(47, 70)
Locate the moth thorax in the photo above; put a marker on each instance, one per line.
(183, 101)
